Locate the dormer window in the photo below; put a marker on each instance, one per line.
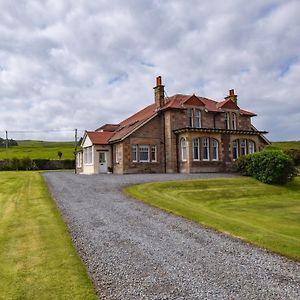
(227, 120)
(190, 117)
(233, 120)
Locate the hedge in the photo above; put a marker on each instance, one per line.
(273, 167)
(35, 164)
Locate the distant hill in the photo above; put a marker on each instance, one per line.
(39, 149)
(284, 145)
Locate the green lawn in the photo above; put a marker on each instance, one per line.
(284, 145)
(39, 149)
(37, 258)
(265, 215)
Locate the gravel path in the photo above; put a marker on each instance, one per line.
(134, 251)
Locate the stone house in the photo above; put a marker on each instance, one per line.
(177, 134)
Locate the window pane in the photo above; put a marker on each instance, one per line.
(183, 149)
(153, 153)
(205, 154)
(226, 120)
(235, 150)
(195, 149)
(134, 153)
(215, 150)
(144, 152)
(198, 118)
(190, 117)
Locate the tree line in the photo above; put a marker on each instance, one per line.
(10, 143)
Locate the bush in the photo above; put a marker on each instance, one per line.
(294, 154)
(273, 167)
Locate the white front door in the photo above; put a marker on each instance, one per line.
(102, 162)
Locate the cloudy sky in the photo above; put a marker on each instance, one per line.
(78, 64)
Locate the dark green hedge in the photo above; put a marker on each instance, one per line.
(273, 167)
(36, 164)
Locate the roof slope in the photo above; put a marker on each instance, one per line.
(133, 122)
(99, 138)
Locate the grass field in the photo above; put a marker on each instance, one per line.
(39, 149)
(284, 145)
(37, 258)
(265, 215)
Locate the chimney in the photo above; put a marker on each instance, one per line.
(232, 96)
(159, 93)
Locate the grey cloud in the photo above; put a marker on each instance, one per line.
(68, 64)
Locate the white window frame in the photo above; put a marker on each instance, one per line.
(235, 143)
(190, 114)
(195, 142)
(198, 118)
(134, 150)
(183, 149)
(205, 144)
(88, 155)
(216, 146)
(251, 147)
(141, 150)
(233, 120)
(153, 147)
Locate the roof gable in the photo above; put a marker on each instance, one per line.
(227, 104)
(193, 101)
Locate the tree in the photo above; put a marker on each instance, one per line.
(59, 153)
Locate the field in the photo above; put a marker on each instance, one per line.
(39, 149)
(265, 215)
(284, 145)
(37, 258)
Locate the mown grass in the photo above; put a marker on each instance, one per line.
(265, 215)
(37, 258)
(39, 149)
(284, 145)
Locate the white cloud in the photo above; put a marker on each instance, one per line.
(78, 64)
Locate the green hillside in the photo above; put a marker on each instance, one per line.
(39, 149)
(284, 145)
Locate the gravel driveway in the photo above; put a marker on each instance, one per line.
(134, 251)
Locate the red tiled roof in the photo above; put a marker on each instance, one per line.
(99, 138)
(177, 101)
(108, 127)
(133, 122)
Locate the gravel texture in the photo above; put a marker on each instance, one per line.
(134, 251)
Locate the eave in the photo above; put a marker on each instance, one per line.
(218, 130)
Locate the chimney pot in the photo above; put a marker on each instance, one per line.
(158, 80)
(231, 92)
(159, 93)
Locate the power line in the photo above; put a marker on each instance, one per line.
(38, 131)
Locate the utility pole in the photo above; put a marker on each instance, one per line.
(6, 144)
(75, 148)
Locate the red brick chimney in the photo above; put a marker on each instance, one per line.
(232, 96)
(159, 93)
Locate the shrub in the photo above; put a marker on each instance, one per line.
(273, 167)
(294, 154)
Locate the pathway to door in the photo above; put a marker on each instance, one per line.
(134, 251)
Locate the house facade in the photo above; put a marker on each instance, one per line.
(177, 134)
